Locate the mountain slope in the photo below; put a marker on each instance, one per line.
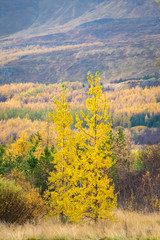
(50, 16)
(120, 38)
(17, 15)
(68, 14)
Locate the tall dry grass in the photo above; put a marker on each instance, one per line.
(127, 225)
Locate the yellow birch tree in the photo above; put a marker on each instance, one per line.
(80, 186)
(96, 191)
(60, 179)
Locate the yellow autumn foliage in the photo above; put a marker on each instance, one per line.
(96, 189)
(60, 179)
(80, 186)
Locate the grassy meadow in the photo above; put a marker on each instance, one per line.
(126, 225)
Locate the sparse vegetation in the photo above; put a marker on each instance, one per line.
(19, 53)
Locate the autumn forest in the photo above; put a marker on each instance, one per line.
(78, 151)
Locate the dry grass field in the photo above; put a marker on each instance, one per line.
(127, 225)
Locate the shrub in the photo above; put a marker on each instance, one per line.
(18, 205)
(13, 205)
(139, 189)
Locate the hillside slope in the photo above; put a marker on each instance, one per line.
(118, 37)
(46, 16)
(17, 15)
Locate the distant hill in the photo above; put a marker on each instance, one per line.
(48, 16)
(123, 36)
(16, 15)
